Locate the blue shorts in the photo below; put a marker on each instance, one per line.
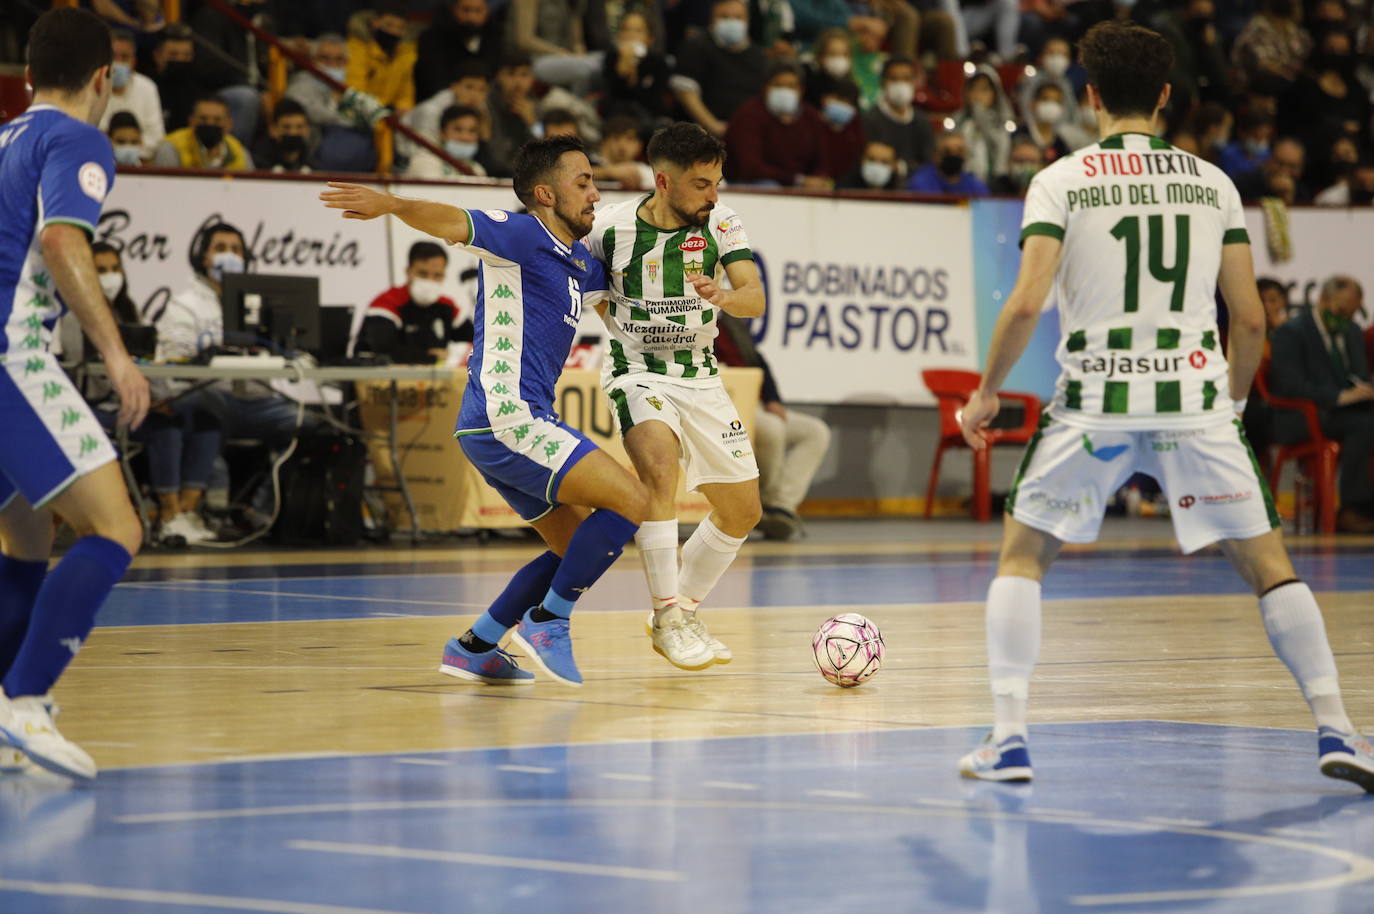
(526, 463)
(50, 436)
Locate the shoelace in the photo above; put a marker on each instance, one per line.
(509, 658)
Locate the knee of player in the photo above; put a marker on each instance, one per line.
(660, 477)
(123, 529)
(635, 506)
(743, 514)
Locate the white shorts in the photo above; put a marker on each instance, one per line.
(712, 442)
(51, 438)
(1214, 486)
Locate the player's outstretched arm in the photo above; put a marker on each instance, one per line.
(437, 219)
(1246, 343)
(67, 252)
(1011, 336)
(745, 299)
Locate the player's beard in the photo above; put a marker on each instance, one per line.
(578, 220)
(698, 217)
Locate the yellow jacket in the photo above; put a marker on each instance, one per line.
(389, 79)
(189, 152)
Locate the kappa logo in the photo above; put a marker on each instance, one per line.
(72, 644)
(1197, 358)
(693, 244)
(503, 291)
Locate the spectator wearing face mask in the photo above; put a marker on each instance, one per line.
(178, 83)
(460, 137)
(1026, 159)
(287, 145)
(776, 138)
(513, 113)
(344, 118)
(383, 65)
(471, 88)
(205, 142)
(1213, 125)
(834, 61)
(127, 139)
(1329, 102)
(1333, 174)
(983, 123)
(1048, 128)
(414, 323)
(1251, 147)
(1356, 190)
(896, 121)
(947, 174)
(844, 133)
(135, 94)
(635, 75)
(877, 170)
(719, 71)
(1051, 68)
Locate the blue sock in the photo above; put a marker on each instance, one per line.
(19, 583)
(64, 612)
(593, 549)
(523, 591)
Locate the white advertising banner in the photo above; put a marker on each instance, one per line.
(153, 220)
(862, 296)
(1326, 241)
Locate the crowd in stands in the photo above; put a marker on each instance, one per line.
(932, 96)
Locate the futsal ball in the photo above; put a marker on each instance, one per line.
(848, 650)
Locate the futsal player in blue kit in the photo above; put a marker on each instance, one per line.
(55, 171)
(535, 278)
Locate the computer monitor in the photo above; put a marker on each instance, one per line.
(277, 311)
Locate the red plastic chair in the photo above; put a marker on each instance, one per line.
(952, 389)
(1317, 456)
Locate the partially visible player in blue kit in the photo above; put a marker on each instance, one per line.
(56, 169)
(534, 281)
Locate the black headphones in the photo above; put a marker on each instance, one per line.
(201, 243)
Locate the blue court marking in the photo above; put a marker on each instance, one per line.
(1126, 816)
(821, 581)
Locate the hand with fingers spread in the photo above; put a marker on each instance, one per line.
(980, 410)
(356, 201)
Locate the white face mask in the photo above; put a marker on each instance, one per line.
(111, 283)
(837, 65)
(782, 101)
(462, 150)
(639, 48)
(899, 94)
(875, 174)
(128, 154)
(424, 292)
(223, 263)
(1056, 64)
(1049, 112)
(730, 33)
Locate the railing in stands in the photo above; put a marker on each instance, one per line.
(280, 53)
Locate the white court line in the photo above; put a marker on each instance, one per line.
(951, 804)
(729, 785)
(518, 863)
(618, 776)
(1298, 833)
(836, 794)
(1047, 811)
(526, 769)
(184, 899)
(1187, 823)
(437, 763)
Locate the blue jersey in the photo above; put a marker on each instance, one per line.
(531, 289)
(53, 168)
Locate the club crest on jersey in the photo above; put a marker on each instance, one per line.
(655, 402)
(579, 263)
(497, 215)
(652, 269)
(693, 244)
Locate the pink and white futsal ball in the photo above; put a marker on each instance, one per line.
(848, 650)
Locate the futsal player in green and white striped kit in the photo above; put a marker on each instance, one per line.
(1132, 237)
(666, 253)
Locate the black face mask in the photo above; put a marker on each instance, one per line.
(951, 165)
(177, 71)
(1343, 64)
(209, 135)
(292, 145)
(386, 41)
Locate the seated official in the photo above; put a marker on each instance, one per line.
(414, 323)
(1319, 356)
(788, 445)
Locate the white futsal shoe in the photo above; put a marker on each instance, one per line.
(26, 723)
(720, 653)
(675, 640)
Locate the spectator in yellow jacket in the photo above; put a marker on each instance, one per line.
(383, 64)
(205, 142)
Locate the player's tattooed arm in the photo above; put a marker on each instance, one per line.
(437, 219)
(745, 299)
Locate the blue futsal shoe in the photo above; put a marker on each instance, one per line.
(1008, 760)
(494, 667)
(550, 645)
(1347, 756)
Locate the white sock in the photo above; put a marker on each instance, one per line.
(657, 542)
(1013, 623)
(1294, 624)
(704, 559)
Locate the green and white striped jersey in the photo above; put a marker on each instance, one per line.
(1143, 225)
(656, 322)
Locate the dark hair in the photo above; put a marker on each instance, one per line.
(425, 250)
(176, 31)
(536, 160)
(684, 145)
(66, 47)
(202, 244)
(1128, 64)
(1253, 118)
(122, 35)
(1049, 86)
(210, 98)
(1265, 283)
(897, 62)
(124, 308)
(470, 67)
(637, 9)
(398, 8)
(454, 112)
(556, 116)
(121, 119)
(783, 65)
(618, 125)
(512, 59)
(286, 107)
(844, 88)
